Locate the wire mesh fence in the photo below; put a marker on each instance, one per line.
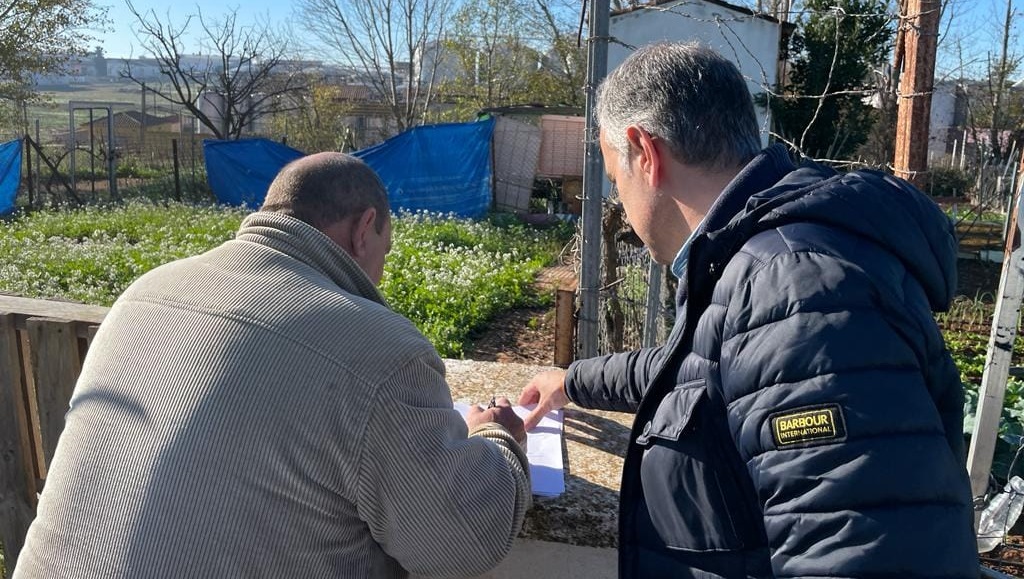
(96, 151)
(635, 301)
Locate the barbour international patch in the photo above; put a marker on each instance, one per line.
(809, 425)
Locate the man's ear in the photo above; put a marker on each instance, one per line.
(648, 153)
(361, 229)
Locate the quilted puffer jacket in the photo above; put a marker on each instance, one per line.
(804, 418)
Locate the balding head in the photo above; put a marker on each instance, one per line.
(326, 188)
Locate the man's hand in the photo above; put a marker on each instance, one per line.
(500, 413)
(547, 391)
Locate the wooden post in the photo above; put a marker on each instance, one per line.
(997, 359)
(565, 327)
(142, 122)
(29, 395)
(55, 368)
(917, 54)
(177, 171)
(17, 475)
(28, 161)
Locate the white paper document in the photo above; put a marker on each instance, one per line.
(543, 449)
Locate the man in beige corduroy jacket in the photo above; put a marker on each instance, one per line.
(258, 410)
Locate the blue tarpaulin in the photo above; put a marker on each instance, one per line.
(239, 172)
(10, 174)
(443, 168)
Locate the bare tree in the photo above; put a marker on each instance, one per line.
(999, 83)
(393, 45)
(242, 78)
(994, 109)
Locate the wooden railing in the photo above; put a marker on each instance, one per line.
(42, 345)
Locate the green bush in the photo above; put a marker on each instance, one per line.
(948, 182)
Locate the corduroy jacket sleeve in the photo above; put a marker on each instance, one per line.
(614, 382)
(440, 503)
(829, 398)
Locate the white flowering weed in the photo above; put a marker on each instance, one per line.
(448, 275)
(92, 254)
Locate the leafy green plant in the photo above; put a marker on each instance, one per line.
(965, 333)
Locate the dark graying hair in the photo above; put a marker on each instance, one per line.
(687, 95)
(325, 188)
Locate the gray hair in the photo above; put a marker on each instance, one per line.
(325, 188)
(687, 95)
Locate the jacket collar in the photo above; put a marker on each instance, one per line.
(310, 246)
(762, 172)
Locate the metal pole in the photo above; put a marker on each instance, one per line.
(963, 150)
(92, 156)
(72, 144)
(593, 183)
(38, 162)
(111, 163)
(192, 145)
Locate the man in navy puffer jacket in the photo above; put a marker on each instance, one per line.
(805, 418)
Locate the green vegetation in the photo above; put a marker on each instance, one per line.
(836, 46)
(448, 275)
(91, 255)
(965, 329)
(948, 182)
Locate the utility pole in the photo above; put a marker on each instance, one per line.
(919, 32)
(593, 184)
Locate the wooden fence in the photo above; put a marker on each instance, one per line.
(42, 345)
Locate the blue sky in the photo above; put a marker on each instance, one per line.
(976, 22)
(120, 41)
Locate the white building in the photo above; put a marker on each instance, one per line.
(945, 120)
(436, 63)
(141, 68)
(749, 40)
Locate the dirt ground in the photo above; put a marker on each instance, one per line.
(525, 336)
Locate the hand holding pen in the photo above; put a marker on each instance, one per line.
(498, 410)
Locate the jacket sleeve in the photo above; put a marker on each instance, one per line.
(615, 382)
(830, 394)
(441, 503)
